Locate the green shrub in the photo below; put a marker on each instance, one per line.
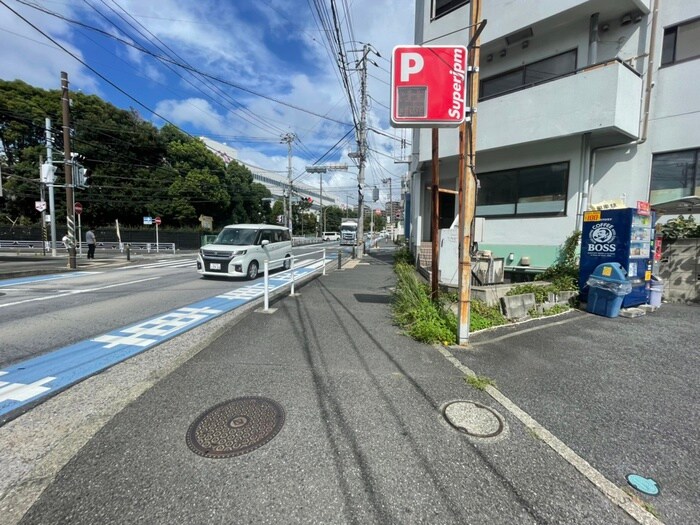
(484, 316)
(431, 321)
(403, 255)
(540, 291)
(566, 268)
(681, 228)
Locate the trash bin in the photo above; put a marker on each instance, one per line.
(656, 290)
(608, 286)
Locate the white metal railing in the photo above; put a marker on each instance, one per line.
(292, 258)
(107, 246)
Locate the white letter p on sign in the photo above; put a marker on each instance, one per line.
(410, 63)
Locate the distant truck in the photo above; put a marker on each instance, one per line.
(348, 232)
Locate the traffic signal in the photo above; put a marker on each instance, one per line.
(82, 179)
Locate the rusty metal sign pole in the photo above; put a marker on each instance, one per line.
(467, 178)
(435, 216)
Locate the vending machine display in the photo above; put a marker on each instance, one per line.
(624, 236)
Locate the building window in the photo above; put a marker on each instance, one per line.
(675, 175)
(529, 75)
(442, 7)
(681, 42)
(534, 190)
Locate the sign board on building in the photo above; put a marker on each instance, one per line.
(428, 86)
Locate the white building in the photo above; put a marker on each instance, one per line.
(275, 181)
(581, 101)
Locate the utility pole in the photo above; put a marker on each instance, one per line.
(362, 145)
(288, 138)
(390, 219)
(68, 171)
(49, 183)
(467, 174)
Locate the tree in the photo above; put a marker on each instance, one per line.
(334, 215)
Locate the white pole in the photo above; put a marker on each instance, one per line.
(265, 280)
(292, 292)
(324, 261)
(80, 236)
(157, 250)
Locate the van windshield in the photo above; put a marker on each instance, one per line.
(236, 237)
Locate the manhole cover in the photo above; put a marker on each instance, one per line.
(474, 419)
(235, 427)
(644, 485)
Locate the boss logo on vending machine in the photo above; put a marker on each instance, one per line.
(602, 237)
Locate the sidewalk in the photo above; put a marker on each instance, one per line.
(364, 438)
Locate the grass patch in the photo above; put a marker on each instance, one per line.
(432, 321)
(639, 501)
(423, 319)
(479, 382)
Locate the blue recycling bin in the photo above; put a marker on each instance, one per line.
(608, 285)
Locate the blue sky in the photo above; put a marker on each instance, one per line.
(270, 48)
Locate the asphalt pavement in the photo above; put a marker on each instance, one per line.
(351, 421)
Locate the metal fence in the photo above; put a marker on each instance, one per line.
(34, 246)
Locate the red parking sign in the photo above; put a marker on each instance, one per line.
(428, 86)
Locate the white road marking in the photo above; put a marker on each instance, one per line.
(157, 328)
(614, 493)
(21, 391)
(75, 292)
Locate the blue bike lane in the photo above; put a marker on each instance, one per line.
(28, 382)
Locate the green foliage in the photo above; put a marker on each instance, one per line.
(333, 216)
(565, 270)
(540, 291)
(483, 316)
(135, 168)
(434, 321)
(413, 309)
(403, 256)
(554, 310)
(681, 228)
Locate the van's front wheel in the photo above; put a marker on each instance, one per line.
(252, 270)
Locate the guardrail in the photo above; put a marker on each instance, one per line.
(266, 273)
(147, 247)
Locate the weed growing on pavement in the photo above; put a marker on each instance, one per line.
(479, 382)
(483, 316)
(434, 321)
(639, 501)
(403, 255)
(423, 319)
(554, 310)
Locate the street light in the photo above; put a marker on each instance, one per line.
(321, 170)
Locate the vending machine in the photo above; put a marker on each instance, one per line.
(624, 236)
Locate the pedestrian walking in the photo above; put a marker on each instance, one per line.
(90, 240)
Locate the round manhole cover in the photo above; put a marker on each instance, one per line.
(473, 419)
(235, 427)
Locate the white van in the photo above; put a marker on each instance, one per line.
(240, 250)
(331, 236)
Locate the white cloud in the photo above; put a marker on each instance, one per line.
(273, 48)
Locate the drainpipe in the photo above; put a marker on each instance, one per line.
(593, 40)
(644, 121)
